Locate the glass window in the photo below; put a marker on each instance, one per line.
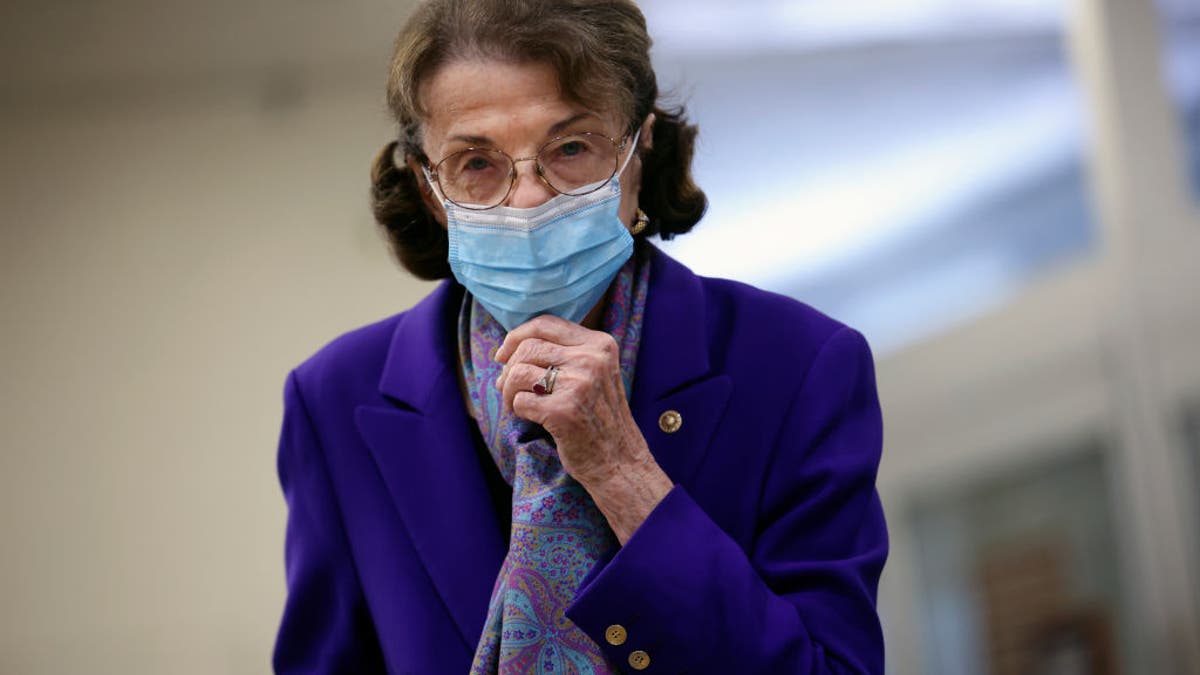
(1191, 450)
(899, 166)
(1018, 571)
(1181, 59)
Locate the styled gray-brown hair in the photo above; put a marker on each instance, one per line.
(600, 51)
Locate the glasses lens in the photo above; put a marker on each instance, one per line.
(475, 177)
(578, 164)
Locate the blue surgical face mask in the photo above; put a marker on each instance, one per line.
(556, 258)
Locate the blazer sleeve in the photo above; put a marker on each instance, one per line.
(802, 599)
(325, 627)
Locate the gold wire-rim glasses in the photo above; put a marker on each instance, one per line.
(539, 169)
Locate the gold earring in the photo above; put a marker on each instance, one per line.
(640, 224)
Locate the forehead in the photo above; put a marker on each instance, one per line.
(504, 101)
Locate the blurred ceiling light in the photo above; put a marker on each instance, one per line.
(826, 222)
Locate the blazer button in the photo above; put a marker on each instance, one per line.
(639, 660)
(616, 635)
(670, 421)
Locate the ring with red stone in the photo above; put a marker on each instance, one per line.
(545, 385)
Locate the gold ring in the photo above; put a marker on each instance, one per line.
(545, 385)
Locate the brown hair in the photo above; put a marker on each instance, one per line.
(601, 52)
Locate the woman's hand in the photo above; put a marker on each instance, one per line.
(587, 414)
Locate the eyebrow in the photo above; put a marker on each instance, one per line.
(562, 126)
(554, 130)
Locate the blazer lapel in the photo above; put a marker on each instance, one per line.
(424, 448)
(672, 382)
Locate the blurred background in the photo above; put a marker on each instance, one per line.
(1004, 195)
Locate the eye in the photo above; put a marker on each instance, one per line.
(472, 164)
(569, 151)
(572, 148)
(477, 163)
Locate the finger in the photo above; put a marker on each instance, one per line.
(539, 352)
(547, 327)
(521, 377)
(529, 406)
(535, 352)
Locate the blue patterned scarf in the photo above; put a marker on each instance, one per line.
(557, 534)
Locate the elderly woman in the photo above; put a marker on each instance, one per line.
(575, 455)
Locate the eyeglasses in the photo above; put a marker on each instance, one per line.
(482, 178)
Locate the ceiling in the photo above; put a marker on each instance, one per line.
(65, 43)
(60, 44)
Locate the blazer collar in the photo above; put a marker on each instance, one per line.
(673, 373)
(423, 352)
(424, 446)
(674, 350)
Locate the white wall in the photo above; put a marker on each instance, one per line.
(165, 261)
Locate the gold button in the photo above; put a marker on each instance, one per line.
(616, 635)
(639, 660)
(670, 421)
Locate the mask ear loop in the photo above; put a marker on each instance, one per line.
(632, 149)
(642, 220)
(436, 190)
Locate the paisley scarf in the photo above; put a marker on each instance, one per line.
(557, 533)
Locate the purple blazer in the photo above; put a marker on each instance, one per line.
(764, 558)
